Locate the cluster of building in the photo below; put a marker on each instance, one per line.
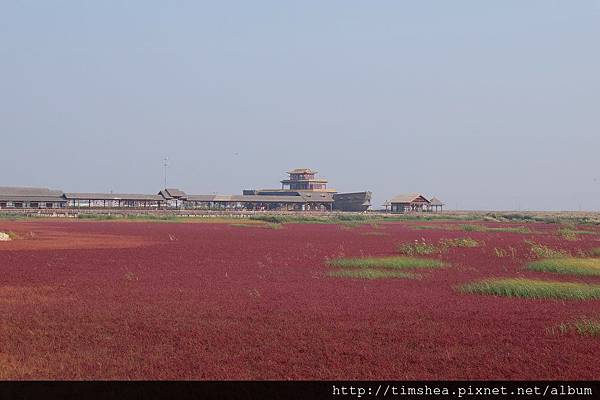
(302, 191)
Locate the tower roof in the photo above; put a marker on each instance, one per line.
(302, 171)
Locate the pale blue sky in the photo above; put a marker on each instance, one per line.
(487, 105)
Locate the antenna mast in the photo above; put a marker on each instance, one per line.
(166, 164)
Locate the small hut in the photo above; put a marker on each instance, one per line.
(434, 204)
(412, 202)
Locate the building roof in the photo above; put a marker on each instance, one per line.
(408, 198)
(436, 202)
(28, 191)
(311, 195)
(176, 192)
(260, 198)
(172, 193)
(38, 199)
(302, 171)
(113, 196)
(319, 180)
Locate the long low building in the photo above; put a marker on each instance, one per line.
(28, 197)
(36, 198)
(113, 200)
(259, 202)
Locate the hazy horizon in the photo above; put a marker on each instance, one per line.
(487, 106)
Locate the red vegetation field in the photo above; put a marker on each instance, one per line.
(112, 300)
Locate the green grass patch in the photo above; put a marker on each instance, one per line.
(459, 242)
(509, 252)
(482, 228)
(425, 227)
(417, 248)
(269, 225)
(568, 234)
(348, 220)
(421, 247)
(569, 265)
(472, 228)
(374, 233)
(386, 262)
(130, 217)
(533, 289)
(543, 251)
(372, 274)
(13, 216)
(561, 218)
(99, 217)
(587, 327)
(582, 327)
(12, 235)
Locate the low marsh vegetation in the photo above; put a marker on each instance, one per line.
(309, 219)
(509, 252)
(418, 247)
(582, 327)
(533, 289)
(386, 262)
(350, 219)
(568, 234)
(568, 265)
(131, 217)
(374, 233)
(564, 218)
(372, 274)
(13, 236)
(269, 225)
(422, 247)
(543, 251)
(459, 242)
(483, 228)
(381, 267)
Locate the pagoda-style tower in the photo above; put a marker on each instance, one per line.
(304, 179)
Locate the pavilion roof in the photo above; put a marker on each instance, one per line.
(408, 198)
